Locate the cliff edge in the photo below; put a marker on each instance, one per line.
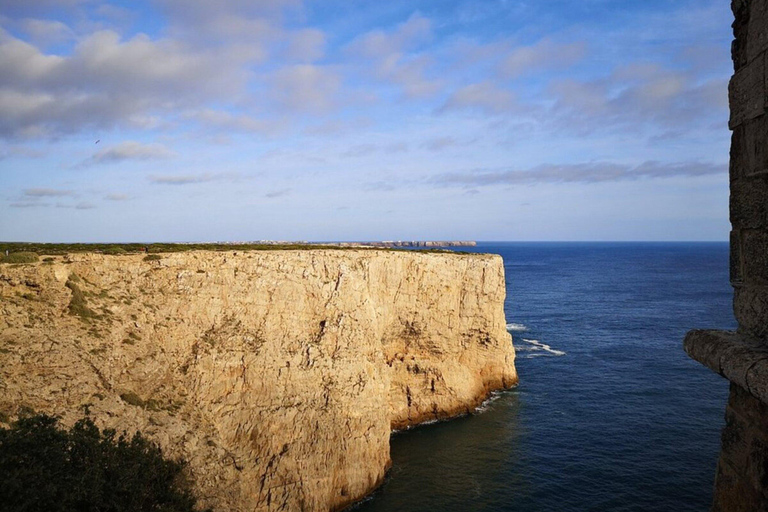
(277, 374)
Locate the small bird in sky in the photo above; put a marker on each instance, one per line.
(97, 141)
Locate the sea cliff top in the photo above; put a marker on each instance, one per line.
(162, 247)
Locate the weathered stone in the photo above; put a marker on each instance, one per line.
(740, 27)
(757, 31)
(746, 92)
(277, 374)
(749, 148)
(704, 346)
(754, 253)
(735, 259)
(738, 164)
(730, 354)
(757, 382)
(750, 307)
(741, 483)
(744, 453)
(733, 493)
(735, 439)
(747, 405)
(749, 202)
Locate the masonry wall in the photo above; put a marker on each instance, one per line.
(741, 481)
(749, 167)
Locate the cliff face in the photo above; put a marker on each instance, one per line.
(278, 375)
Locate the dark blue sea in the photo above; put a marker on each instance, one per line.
(610, 413)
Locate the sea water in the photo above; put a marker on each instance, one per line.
(610, 413)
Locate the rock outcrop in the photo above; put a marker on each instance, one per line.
(277, 374)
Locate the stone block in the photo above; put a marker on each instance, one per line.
(705, 347)
(757, 384)
(740, 28)
(738, 163)
(750, 307)
(756, 142)
(757, 465)
(746, 93)
(754, 252)
(736, 358)
(757, 30)
(746, 405)
(733, 492)
(749, 202)
(749, 148)
(735, 448)
(735, 258)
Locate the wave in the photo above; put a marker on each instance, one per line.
(537, 346)
(512, 327)
(495, 395)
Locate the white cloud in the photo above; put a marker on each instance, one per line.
(638, 94)
(545, 54)
(307, 45)
(394, 57)
(46, 32)
(107, 82)
(592, 172)
(129, 150)
(380, 44)
(184, 179)
(117, 197)
(48, 192)
(305, 87)
(485, 97)
(228, 121)
(277, 193)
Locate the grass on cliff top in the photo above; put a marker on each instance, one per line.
(19, 257)
(117, 249)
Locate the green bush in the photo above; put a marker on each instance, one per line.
(20, 257)
(45, 467)
(77, 304)
(152, 257)
(114, 249)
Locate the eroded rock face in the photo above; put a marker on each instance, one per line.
(278, 375)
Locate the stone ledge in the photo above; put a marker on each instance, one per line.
(740, 359)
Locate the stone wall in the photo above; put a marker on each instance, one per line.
(742, 472)
(741, 482)
(749, 167)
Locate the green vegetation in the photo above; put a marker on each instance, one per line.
(20, 257)
(78, 305)
(46, 467)
(53, 249)
(114, 249)
(152, 257)
(132, 398)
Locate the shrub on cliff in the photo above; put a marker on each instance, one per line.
(20, 257)
(45, 467)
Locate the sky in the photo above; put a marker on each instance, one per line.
(242, 120)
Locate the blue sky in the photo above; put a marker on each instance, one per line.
(363, 120)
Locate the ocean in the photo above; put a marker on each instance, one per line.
(610, 413)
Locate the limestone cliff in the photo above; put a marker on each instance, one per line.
(277, 374)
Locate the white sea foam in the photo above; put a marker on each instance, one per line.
(512, 327)
(495, 395)
(536, 346)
